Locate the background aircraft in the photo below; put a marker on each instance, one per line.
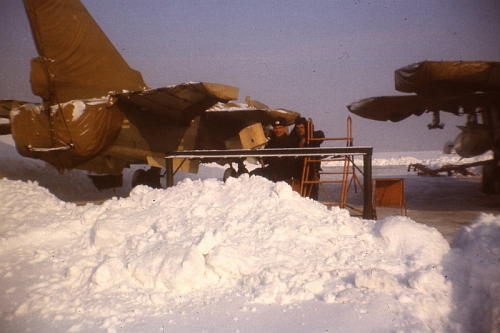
(464, 88)
(97, 113)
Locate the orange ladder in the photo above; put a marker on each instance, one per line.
(312, 176)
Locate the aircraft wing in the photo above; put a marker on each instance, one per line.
(397, 108)
(384, 108)
(459, 87)
(236, 112)
(437, 86)
(181, 103)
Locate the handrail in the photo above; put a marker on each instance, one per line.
(271, 152)
(367, 153)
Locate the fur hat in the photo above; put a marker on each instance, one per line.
(280, 121)
(301, 121)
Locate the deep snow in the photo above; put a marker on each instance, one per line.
(247, 255)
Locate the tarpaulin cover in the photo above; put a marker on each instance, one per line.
(7, 105)
(397, 108)
(180, 103)
(383, 108)
(91, 127)
(261, 116)
(448, 78)
(76, 59)
(84, 129)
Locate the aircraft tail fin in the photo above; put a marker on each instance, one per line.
(76, 59)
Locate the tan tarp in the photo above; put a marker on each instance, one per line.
(78, 63)
(448, 78)
(77, 132)
(183, 102)
(397, 108)
(88, 128)
(438, 86)
(262, 116)
(77, 60)
(7, 105)
(383, 108)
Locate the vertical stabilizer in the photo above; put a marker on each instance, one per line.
(76, 59)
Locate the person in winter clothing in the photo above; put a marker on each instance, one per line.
(277, 168)
(299, 137)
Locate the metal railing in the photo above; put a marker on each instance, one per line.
(321, 152)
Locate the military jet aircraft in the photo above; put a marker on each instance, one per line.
(463, 88)
(97, 113)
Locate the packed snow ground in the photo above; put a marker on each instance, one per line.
(247, 255)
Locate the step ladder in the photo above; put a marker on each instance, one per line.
(314, 178)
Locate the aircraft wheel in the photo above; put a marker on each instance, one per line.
(491, 175)
(138, 177)
(230, 172)
(153, 177)
(150, 178)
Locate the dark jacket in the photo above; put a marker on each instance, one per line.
(295, 139)
(283, 141)
(277, 168)
(299, 162)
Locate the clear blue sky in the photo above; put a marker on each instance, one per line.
(314, 57)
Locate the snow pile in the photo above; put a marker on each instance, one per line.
(247, 255)
(474, 265)
(430, 159)
(203, 242)
(70, 186)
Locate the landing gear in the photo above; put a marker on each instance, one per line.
(491, 175)
(106, 182)
(150, 177)
(231, 172)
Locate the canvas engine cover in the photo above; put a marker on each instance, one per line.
(66, 135)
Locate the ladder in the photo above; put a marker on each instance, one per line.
(314, 178)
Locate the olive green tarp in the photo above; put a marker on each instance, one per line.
(431, 79)
(88, 86)
(77, 131)
(437, 86)
(264, 117)
(7, 105)
(76, 59)
(397, 108)
(83, 129)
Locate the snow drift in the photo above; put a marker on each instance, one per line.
(200, 243)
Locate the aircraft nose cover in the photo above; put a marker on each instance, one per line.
(80, 131)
